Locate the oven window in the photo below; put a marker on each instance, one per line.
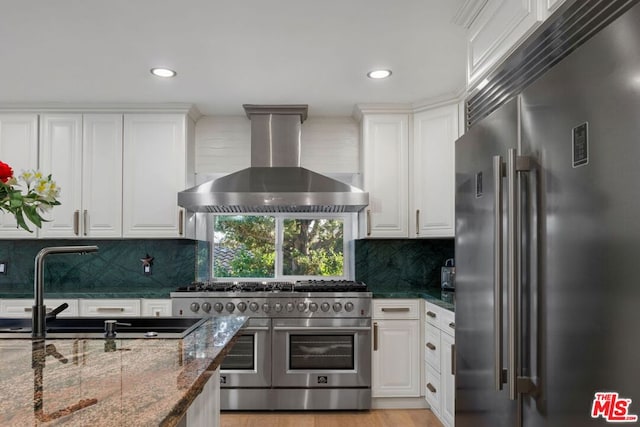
(321, 352)
(240, 357)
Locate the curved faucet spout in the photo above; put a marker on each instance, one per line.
(38, 322)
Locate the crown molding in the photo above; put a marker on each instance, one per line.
(360, 110)
(53, 107)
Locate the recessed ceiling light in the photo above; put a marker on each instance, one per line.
(379, 74)
(163, 72)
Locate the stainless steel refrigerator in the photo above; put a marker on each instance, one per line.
(548, 245)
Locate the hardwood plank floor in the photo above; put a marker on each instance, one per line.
(373, 418)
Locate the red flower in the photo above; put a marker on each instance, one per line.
(5, 172)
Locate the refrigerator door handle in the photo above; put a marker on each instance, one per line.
(515, 165)
(498, 174)
(512, 270)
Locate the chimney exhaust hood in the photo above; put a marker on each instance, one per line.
(275, 182)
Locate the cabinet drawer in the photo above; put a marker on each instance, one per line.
(432, 347)
(109, 307)
(156, 307)
(396, 309)
(432, 391)
(439, 317)
(23, 307)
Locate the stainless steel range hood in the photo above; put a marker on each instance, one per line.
(275, 182)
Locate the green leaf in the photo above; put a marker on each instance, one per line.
(33, 215)
(20, 220)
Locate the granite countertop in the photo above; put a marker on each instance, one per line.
(120, 382)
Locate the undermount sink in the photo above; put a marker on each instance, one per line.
(94, 327)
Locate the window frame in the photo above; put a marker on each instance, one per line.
(349, 232)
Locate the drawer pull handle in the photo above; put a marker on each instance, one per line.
(395, 309)
(375, 336)
(452, 325)
(29, 309)
(110, 309)
(431, 388)
(431, 314)
(431, 346)
(368, 222)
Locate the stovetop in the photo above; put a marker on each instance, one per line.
(298, 286)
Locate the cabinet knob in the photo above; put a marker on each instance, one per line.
(431, 314)
(431, 388)
(431, 346)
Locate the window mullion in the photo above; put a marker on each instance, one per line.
(279, 241)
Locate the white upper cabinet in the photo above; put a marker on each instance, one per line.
(102, 175)
(496, 32)
(19, 149)
(156, 152)
(432, 183)
(61, 156)
(84, 155)
(385, 160)
(408, 167)
(499, 28)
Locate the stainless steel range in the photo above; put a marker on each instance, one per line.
(307, 344)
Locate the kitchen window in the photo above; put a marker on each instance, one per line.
(282, 246)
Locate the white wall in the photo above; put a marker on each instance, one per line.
(330, 145)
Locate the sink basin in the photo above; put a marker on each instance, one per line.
(93, 327)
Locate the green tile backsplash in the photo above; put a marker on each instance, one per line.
(115, 270)
(402, 266)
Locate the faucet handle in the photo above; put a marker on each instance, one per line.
(110, 327)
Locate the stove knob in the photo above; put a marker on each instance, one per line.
(289, 307)
(313, 307)
(230, 307)
(277, 307)
(348, 306)
(337, 307)
(302, 306)
(325, 306)
(266, 307)
(194, 307)
(242, 306)
(218, 307)
(253, 306)
(206, 307)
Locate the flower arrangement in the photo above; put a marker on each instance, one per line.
(39, 197)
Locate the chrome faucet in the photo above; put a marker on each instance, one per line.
(38, 320)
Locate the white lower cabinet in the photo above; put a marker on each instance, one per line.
(109, 307)
(22, 307)
(439, 345)
(155, 307)
(396, 351)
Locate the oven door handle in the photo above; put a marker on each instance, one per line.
(255, 328)
(322, 328)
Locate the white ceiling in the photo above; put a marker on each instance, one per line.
(230, 52)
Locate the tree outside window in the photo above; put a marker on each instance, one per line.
(245, 246)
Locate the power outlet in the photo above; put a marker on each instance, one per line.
(3, 267)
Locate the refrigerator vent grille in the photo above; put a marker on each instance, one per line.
(560, 35)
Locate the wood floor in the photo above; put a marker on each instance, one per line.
(373, 418)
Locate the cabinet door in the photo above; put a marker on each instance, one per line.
(61, 156)
(385, 154)
(154, 172)
(432, 181)
(102, 175)
(447, 379)
(396, 369)
(496, 32)
(19, 149)
(109, 307)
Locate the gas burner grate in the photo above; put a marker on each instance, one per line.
(329, 286)
(238, 287)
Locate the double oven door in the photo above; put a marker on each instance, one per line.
(248, 363)
(321, 353)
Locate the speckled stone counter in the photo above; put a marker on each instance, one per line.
(100, 382)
